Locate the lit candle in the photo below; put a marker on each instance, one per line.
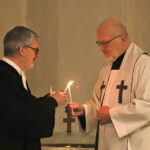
(69, 90)
(70, 94)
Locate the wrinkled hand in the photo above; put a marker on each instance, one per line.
(103, 115)
(74, 109)
(59, 96)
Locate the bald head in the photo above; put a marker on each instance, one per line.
(111, 27)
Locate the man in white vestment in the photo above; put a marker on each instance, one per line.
(120, 106)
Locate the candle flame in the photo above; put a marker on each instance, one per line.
(70, 83)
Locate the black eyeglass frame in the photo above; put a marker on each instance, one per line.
(105, 43)
(36, 50)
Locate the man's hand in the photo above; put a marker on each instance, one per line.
(60, 97)
(103, 115)
(74, 109)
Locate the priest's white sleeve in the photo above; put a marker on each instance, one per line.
(91, 107)
(90, 117)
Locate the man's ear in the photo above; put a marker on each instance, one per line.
(21, 51)
(124, 37)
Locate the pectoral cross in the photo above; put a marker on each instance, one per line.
(69, 120)
(121, 87)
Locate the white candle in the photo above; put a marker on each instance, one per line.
(69, 90)
(70, 94)
(50, 90)
(70, 98)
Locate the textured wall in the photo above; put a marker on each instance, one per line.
(12, 13)
(42, 17)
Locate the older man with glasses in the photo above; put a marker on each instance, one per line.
(24, 118)
(120, 105)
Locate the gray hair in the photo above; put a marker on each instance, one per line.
(16, 37)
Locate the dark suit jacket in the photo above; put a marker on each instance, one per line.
(24, 119)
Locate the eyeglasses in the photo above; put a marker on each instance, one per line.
(105, 43)
(36, 50)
